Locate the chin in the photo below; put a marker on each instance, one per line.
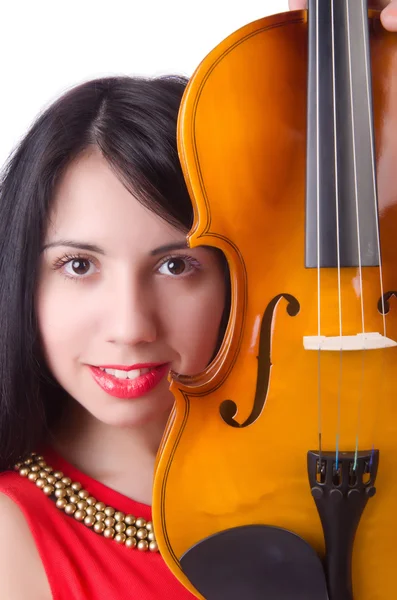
(134, 416)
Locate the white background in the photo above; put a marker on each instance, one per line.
(47, 46)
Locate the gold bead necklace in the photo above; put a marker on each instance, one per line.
(75, 501)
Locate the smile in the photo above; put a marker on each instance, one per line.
(133, 374)
(129, 384)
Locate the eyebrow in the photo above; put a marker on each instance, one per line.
(94, 248)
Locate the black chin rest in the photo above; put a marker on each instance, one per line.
(255, 562)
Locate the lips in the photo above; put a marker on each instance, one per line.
(129, 388)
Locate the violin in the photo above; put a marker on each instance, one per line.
(266, 477)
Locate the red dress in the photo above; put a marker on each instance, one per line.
(79, 563)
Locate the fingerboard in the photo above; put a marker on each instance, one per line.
(341, 197)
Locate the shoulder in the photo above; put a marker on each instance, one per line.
(18, 553)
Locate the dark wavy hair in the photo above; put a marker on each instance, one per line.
(133, 122)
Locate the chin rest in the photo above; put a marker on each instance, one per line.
(255, 562)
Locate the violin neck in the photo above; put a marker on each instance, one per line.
(341, 196)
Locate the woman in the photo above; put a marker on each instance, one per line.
(99, 298)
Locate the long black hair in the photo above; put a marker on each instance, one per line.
(133, 122)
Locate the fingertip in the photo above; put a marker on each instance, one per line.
(389, 17)
(297, 4)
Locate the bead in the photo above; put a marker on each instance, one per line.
(89, 521)
(103, 519)
(109, 532)
(99, 526)
(140, 523)
(142, 545)
(80, 515)
(61, 502)
(119, 516)
(153, 546)
(70, 509)
(141, 534)
(129, 519)
(130, 542)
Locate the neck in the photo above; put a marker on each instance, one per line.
(121, 458)
(341, 199)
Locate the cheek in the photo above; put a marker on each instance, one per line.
(196, 324)
(61, 324)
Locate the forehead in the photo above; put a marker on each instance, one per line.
(92, 204)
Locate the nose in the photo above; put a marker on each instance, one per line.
(131, 314)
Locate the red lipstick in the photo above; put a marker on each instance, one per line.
(130, 388)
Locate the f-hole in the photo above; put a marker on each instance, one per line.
(228, 409)
(383, 302)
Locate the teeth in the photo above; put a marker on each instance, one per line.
(133, 374)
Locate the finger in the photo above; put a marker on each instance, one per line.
(389, 16)
(297, 4)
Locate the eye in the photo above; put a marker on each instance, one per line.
(176, 266)
(78, 266)
(75, 267)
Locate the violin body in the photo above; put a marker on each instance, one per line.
(243, 144)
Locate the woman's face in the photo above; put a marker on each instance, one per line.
(118, 287)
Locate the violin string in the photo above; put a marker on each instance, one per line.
(339, 401)
(359, 409)
(319, 404)
(356, 202)
(372, 144)
(381, 395)
(355, 167)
